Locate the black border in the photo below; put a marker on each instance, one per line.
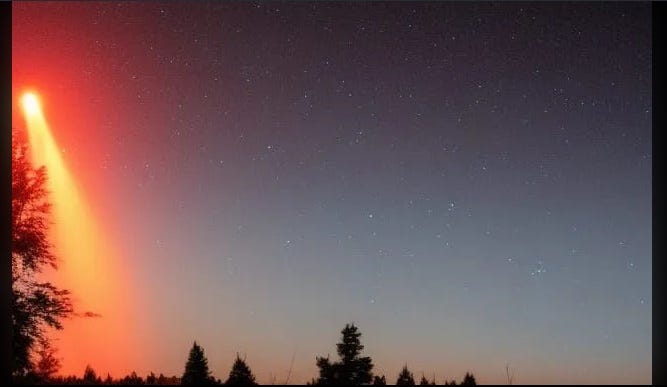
(659, 14)
(6, 193)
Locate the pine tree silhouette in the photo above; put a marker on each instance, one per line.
(196, 368)
(425, 382)
(405, 378)
(379, 381)
(352, 368)
(240, 374)
(151, 379)
(468, 380)
(131, 380)
(90, 376)
(328, 376)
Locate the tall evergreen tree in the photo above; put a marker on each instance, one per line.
(36, 305)
(352, 367)
(240, 374)
(196, 368)
(405, 377)
(468, 380)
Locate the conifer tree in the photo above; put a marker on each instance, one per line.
(468, 380)
(131, 380)
(196, 368)
(90, 376)
(405, 378)
(151, 379)
(352, 367)
(240, 374)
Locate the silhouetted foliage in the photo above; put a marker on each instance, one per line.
(196, 368)
(36, 305)
(326, 371)
(405, 377)
(379, 381)
(468, 380)
(164, 380)
(133, 379)
(450, 383)
(90, 376)
(240, 374)
(352, 368)
(47, 364)
(151, 379)
(30, 378)
(426, 382)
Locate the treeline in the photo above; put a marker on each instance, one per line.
(350, 369)
(90, 377)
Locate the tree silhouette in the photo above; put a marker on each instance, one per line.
(131, 380)
(352, 368)
(468, 380)
(164, 380)
(328, 374)
(425, 382)
(379, 381)
(405, 377)
(90, 376)
(196, 368)
(47, 364)
(151, 378)
(35, 305)
(240, 374)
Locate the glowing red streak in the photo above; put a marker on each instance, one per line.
(86, 264)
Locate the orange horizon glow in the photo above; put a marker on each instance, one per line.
(86, 263)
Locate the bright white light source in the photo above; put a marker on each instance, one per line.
(30, 103)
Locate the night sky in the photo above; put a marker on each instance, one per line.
(470, 183)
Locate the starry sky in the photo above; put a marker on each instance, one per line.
(470, 183)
